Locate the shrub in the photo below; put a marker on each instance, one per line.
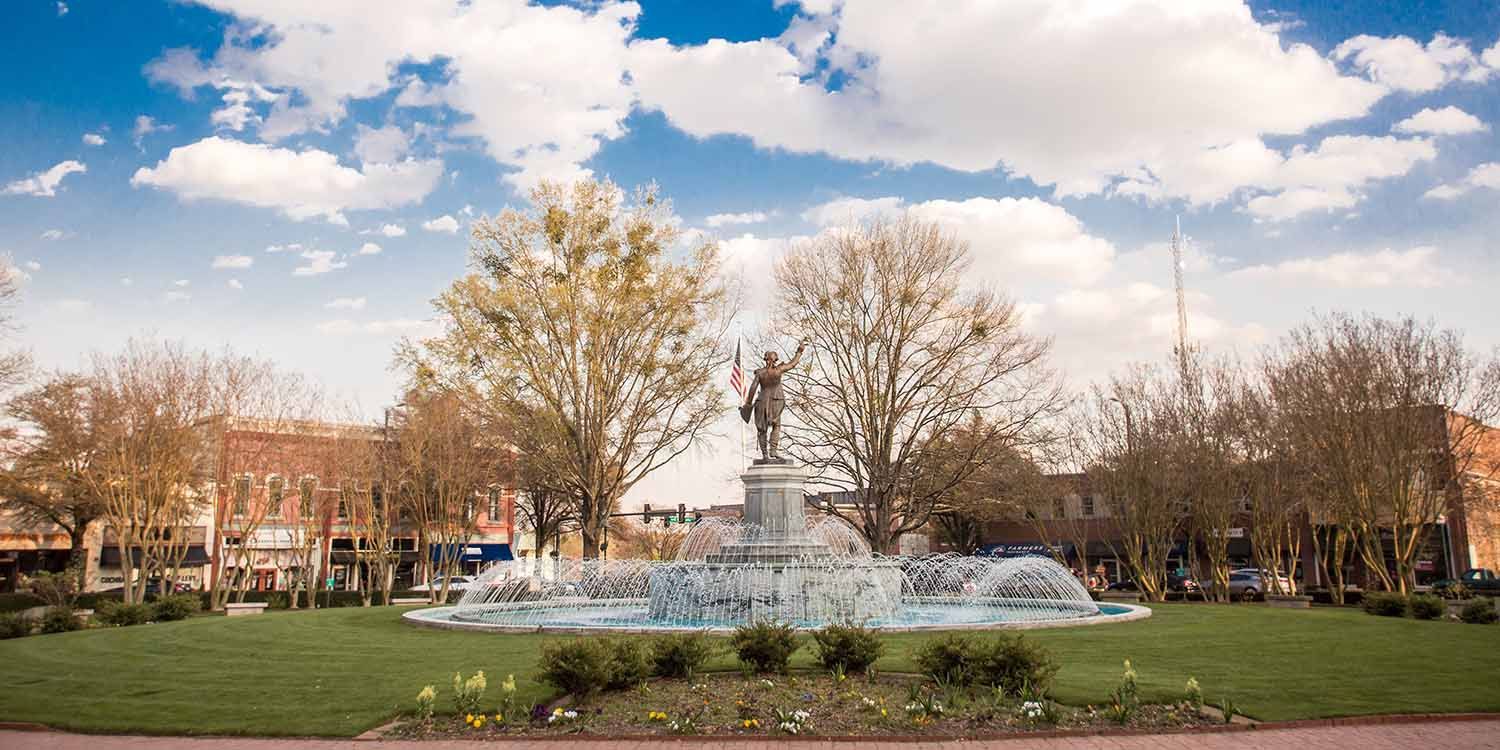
(1384, 603)
(629, 664)
(1479, 611)
(764, 646)
(60, 620)
(176, 607)
(1427, 607)
(580, 667)
(680, 654)
(277, 600)
(111, 612)
(848, 648)
(14, 625)
(426, 702)
(19, 601)
(1013, 665)
(947, 659)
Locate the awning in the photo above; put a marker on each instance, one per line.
(475, 553)
(1023, 549)
(109, 557)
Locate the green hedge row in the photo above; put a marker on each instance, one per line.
(19, 601)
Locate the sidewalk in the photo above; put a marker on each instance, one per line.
(1443, 735)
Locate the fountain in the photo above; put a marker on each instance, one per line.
(774, 565)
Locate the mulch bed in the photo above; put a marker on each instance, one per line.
(735, 704)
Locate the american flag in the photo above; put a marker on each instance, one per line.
(737, 375)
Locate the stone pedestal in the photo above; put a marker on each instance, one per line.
(775, 519)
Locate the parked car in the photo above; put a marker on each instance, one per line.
(457, 583)
(1249, 586)
(153, 586)
(1481, 581)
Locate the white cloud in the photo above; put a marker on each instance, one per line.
(232, 261)
(235, 284)
(404, 327)
(347, 303)
(1006, 236)
(444, 223)
(1333, 175)
(294, 247)
(369, 248)
(44, 184)
(388, 230)
(1106, 89)
(319, 262)
(146, 125)
(1404, 64)
(62, 9)
(181, 283)
(1416, 267)
(543, 86)
(301, 184)
(1485, 175)
(1446, 121)
(722, 220)
(93, 139)
(33, 266)
(54, 234)
(384, 145)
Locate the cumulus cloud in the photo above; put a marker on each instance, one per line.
(53, 234)
(1006, 235)
(146, 125)
(543, 86)
(1446, 121)
(232, 261)
(293, 247)
(724, 220)
(1484, 176)
(1417, 267)
(319, 262)
(384, 145)
(301, 184)
(444, 223)
(93, 139)
(347, 303)
(1404, 64)
(369, 248)
(33, 266)
(387, 230)
(1107, 89)
(44, 184)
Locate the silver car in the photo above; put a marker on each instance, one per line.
(1249, 585)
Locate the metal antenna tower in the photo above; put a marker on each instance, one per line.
(1182, 350)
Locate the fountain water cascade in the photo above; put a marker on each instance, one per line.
(773, 565)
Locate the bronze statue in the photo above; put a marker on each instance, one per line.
(769, 403)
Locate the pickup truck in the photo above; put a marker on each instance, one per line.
(1478, 581)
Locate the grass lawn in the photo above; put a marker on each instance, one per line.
(340, 671)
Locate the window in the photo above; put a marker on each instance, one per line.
(308, 490)
(242, 494)
(494, 505)
(275, 489)
(346, 491)
(1059, 508)
(1088, 505)
(468, 509)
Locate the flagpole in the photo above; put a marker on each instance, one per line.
(739, 339)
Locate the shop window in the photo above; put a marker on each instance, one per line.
(275, 492)
(494, 509)
(1088, 505)
(1059, 508)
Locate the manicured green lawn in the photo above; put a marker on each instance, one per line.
(341, 671)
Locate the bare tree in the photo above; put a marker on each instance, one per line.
(1390, 415)
(1207, 454)
(1276, 487)
(578, 317)
(644, 541)
(902, 350)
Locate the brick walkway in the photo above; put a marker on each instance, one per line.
(1443, 735)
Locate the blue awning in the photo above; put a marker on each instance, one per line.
(486, 552)
(1024, 549)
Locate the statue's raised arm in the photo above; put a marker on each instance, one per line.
(797, 357)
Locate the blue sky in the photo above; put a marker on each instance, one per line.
(1321, 156)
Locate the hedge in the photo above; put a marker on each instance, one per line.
(19, 601)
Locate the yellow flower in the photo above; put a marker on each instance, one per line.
(883, 713)
(499, 718)
(557, 712)
(468, 718)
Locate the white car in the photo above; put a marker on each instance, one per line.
(457, 583)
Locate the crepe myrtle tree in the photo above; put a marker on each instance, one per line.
(904, 346)
(588, 315)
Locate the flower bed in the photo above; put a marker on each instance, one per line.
(802, 704)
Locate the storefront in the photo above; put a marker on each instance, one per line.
(474, 557)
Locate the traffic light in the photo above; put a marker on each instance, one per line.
(682, 513)
(646, 514)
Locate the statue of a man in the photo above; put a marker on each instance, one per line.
(766, 400)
